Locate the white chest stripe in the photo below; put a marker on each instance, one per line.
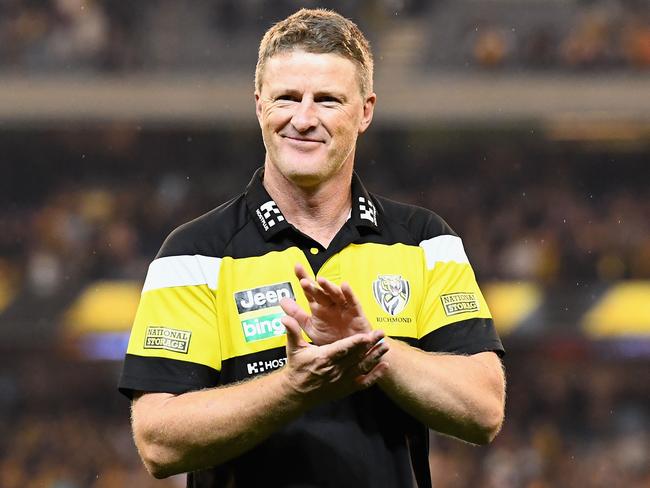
(182, 271)
(443, 249)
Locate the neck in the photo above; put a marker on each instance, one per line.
(318, 211)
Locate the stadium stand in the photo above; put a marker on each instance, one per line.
(523, 123)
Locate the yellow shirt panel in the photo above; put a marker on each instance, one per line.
(452, 295)
(387, 280)
(177, 322)
(250, 290)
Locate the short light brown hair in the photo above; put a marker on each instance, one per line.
(318, 31)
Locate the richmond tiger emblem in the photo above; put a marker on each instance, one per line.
(392, 292)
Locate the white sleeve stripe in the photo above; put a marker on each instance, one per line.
(182, 271)
(443, 249)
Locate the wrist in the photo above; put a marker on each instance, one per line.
(294, 396)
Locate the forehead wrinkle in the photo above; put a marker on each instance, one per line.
(288, 65)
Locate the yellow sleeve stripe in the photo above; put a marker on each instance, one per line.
(452, 296)
(186, 270)
(443, 249)
(177, 323)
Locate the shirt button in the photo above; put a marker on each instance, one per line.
(314, 250)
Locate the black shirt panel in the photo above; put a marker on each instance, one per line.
(325, 459)
(158, 372)
(466, 337)
(231, 230)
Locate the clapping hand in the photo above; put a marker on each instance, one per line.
(346, 354)
(335, 311)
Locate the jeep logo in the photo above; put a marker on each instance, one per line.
(263, 297)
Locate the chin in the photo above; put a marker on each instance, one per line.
(306, 169)
(302, 169)
(305, 179)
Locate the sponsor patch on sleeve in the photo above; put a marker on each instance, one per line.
(455, 303)
(173, 340)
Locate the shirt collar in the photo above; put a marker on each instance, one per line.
(269, 218)
(265, 212)
(364, 210)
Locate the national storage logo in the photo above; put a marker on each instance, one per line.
(455, 303)
(260, 312)
(168, 339)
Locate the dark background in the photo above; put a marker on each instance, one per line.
(525, 124)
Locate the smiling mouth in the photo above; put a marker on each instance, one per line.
(299, 139)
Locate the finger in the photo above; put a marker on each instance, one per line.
(352, 349)
(333, 292)
(350, 297)
(366, 354)
(367, 380)
(372, 358)
(378, 346)
(377, 336)
(304, 279)
(313, 293)
(294, 310)
(295, 342)
(300, 271)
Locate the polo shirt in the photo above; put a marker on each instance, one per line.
(209, 315)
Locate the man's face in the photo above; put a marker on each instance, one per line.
(311, 111)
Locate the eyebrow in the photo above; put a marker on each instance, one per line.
(318, 94)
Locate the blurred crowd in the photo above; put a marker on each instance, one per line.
(103, 36)
(524, 213)
(79, 218)
(555, 219)
(600, 35)
(108, 231)
(68, 427)
(80, 205)
(109, 36)
(77, 449)
(569, 423)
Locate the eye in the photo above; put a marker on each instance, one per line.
(286, 97)
(328, 100)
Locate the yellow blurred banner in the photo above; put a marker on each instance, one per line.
(7, 293)
(110, 306)
(104, 306)
(624, 310)
(511, 303)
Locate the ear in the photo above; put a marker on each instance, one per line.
(258, 107)
(368, 111)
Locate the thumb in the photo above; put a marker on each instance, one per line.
(295, 342)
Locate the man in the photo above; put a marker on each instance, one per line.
(307, 333)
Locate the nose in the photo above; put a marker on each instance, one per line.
(304, 118)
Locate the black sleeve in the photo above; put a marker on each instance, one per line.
(465, 337)
(152, 374)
